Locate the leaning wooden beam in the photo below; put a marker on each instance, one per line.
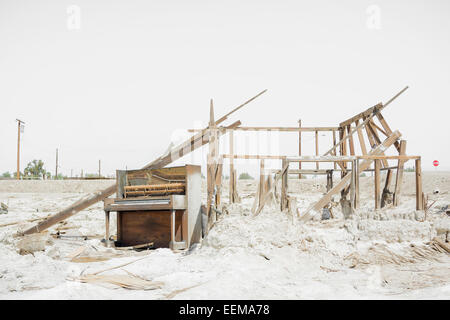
(190, 145)
(225, 117)
(316, 207)
(370, 110)
(399, 176)
(386, 127)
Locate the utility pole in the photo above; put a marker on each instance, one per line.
(56, 168)
(20, 127)
(99, 167)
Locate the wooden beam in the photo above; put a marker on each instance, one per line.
(231, 180)
(238, 107)
(362, 143)
(419, 192)
(253, 156)
(300, 146)
(316, 207)
(388, 130)
(288, 129)
(377, 184)
(371, 110)
(399, 176)
(284, 185)
(355, 166)
(350, 141)
(317, 147)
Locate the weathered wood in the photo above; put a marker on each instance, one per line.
(316, 207)
(350, 141)
(288, 129)
(399, 176)
(388, 130)
(377, 184)
(231, 180)
(362, 143)
(371, 110)
(190, 145)
(284, 185)
(225, 117)
(300, 147)
(317, 147)
(334, 151)
(357, 173)
(261, 180)
(419, 192)
(271, 192)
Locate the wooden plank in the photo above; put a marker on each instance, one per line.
(231, 180)
(357, 173)
(238, 107)
(388, 130)
(371, 110)
(317, 148)
(350, 141)
(419, 192)
(270, 193)
(284, 185)
(383, 157)
(288, 129)
(377, 184)
(334, 151)
(399, 176)
(300, 146)
(261, 180)
(362, 143)
(361, 115)
(253, 156)
(316, 207)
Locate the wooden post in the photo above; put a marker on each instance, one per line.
(19, 124)
(106, 227)
(377, 184)
(317, 148)
(284, 184)
(356, 169)
(261, 181)
(361, 139)
(334, 151)
(99, 168)
(350, 140)
(300, 147)
(399, 176)
(419, 195)
(353, 185)
(232, 179)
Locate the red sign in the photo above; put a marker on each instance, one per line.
(435, 163)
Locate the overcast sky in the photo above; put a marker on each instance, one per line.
(117, 80)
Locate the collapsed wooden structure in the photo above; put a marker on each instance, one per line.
(350, 130)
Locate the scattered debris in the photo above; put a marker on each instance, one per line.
(3, 208)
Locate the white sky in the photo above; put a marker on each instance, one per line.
(137, 71)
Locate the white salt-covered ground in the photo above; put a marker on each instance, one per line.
(379, 255)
